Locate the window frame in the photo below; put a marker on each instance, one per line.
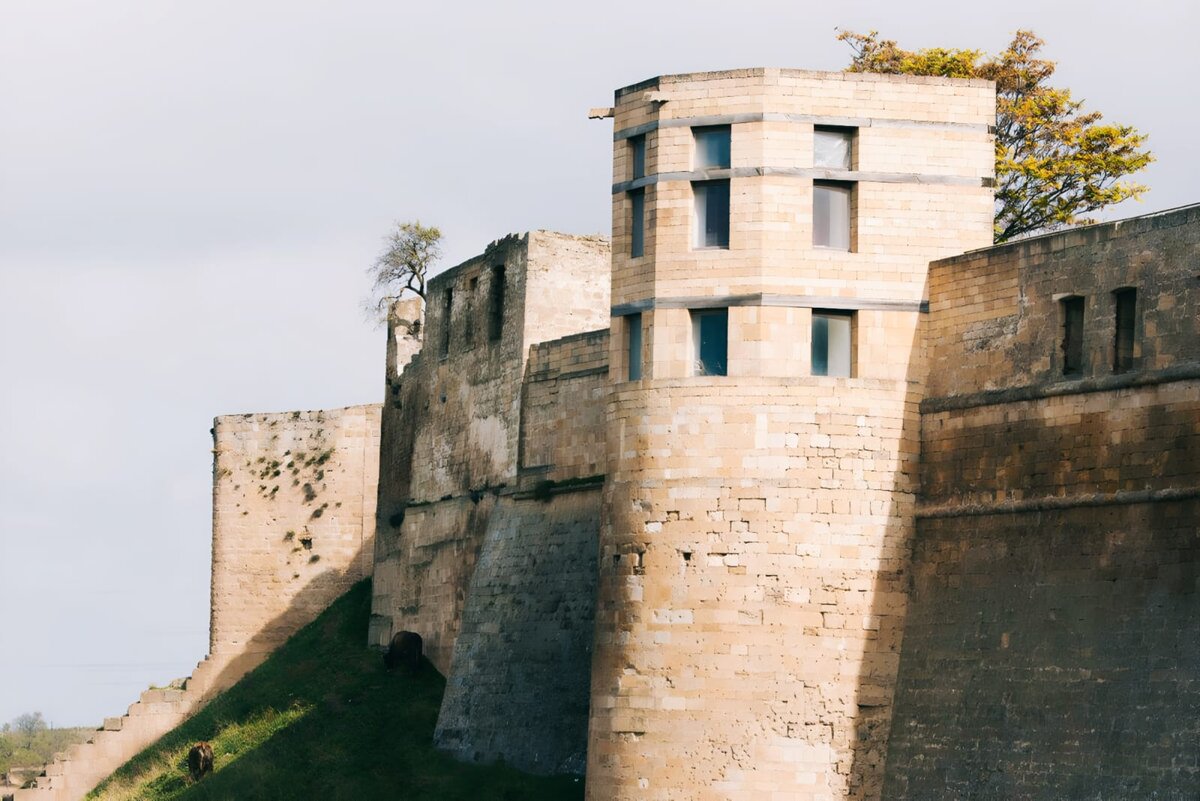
(1073, 313)
(702, 192)
(702, 136)
(851, 319)
(634, 345)
(637, 222)
(698, 364)
(850, 190)
(1124, 322)
(849, 134)
(447, 320)
(496, 300)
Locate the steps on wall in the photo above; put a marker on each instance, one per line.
(74, 772)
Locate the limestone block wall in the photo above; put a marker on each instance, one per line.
(756, 524)
(518, 687)
(293, 521)
(998, 319)
(1051, 644)
(752, 588)
(453, 421)
(563, 407)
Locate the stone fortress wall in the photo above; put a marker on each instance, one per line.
(954, 572)
(756, 524)
(1053, 642)
(293, 528)
(294, 498)
(489, 495)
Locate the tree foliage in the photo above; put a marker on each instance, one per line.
(411, 250)
(28, 742)
(1055, 163)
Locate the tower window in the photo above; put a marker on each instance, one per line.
(710, 341)
(637, 156)
(832, 338)
(833, 148)
(447, 307)
(712, 147)
(1125, 301)
(633, 343)
(496, 303)
(1072, 341)
(469, 317)
(711, 218)
(832, 204)
(637, 222)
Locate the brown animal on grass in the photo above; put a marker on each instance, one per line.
(200, 761)
(404, 652)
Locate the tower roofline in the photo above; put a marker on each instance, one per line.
(660, 81)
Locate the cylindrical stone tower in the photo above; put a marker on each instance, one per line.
(771, 234)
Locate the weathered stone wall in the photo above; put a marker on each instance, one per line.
(454, 418)
(293, 521)
(1052, 643)
(997, 319)
(562, 411)
(518, 687)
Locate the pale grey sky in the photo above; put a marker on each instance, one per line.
(189, 193)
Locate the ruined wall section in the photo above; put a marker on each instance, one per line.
(453, 421)
(518, 687)
(1052, 644)
(293, 521)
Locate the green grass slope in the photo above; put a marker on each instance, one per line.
(321, 718)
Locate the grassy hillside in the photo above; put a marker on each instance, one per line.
(322, 719)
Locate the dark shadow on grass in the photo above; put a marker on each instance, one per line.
(368, 735)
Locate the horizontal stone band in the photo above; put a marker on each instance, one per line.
(768, 299)
(1082, 386)
(808, 119)
(1052, 503)
(812, 173)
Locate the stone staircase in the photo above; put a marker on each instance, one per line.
(80, 768)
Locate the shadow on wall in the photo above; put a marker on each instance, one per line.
(1053, 643)
(310, 601)
(874, 701)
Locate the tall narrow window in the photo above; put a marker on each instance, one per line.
(447, 307)
(469, 317)
(1125, 301)
(832, 338)
(710, 341)
(711, 219)
(832, 203)
(637, 222)
(496, 304)
(1072, 341)
(633, 335)
(833, 147)
(712, 147)
(637, 156)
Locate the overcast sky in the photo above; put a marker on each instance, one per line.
(190, 191)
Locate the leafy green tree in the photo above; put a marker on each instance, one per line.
(1055, 163)
(411, 250)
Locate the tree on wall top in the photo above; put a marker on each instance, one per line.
(1054, 163)
(411, 249)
